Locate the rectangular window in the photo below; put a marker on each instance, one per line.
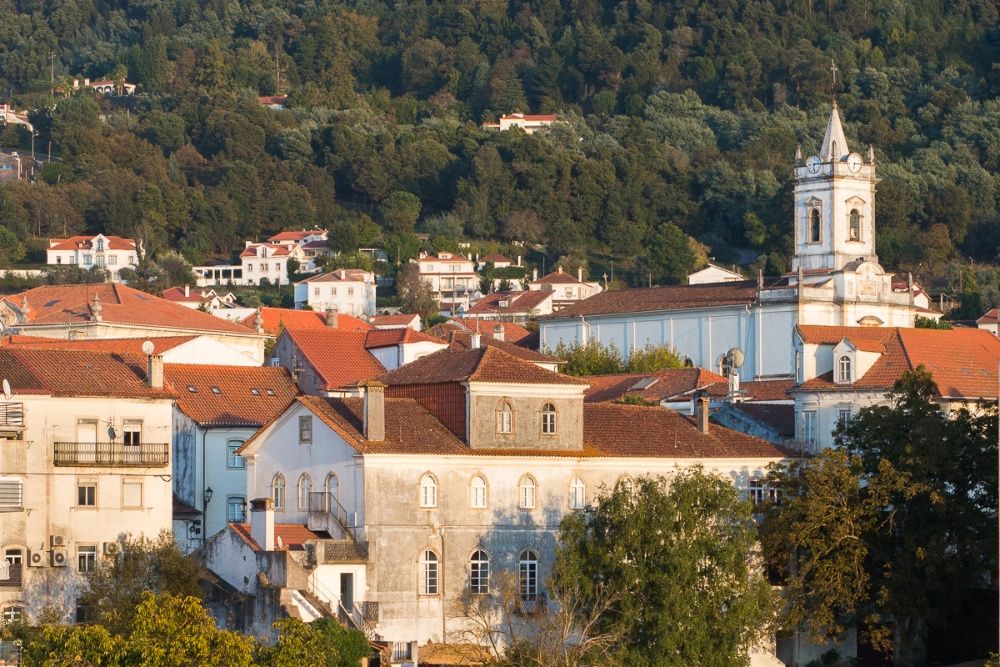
(113, 259)
(844, 416)
(132, 432)
(350, 291)
(755, 491)
(131, 493)
(86, 260)
(86, 558)
(333, 291)
(86, 494)
(11, 495)
(315, 291)
(236, 508)
(809, 428)
(234, 460)
(402, 651)
(305, 430)
(527, 570)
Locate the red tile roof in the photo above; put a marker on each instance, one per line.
(194, 295)
(495, 257)
(276, 319)
(276, 250)
(70, 304)
(272, 99)
(766, 390)
(632, 431)
(462, 340)
(455, 257)
(338, 356)
(512, 333)
(81, 373)
(528, 116)
(992, 316)
(962, 362)
(402, 319)
(87, 243)
(486, 364)
(338, 275)
(389, 337)
(505, 303)
(557, 277)
(659, 386)
(292, 536)
(230, 395)
(296, 235)
(124, 345)
(653, 299)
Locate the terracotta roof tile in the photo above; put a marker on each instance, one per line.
(495, 258)
(338, 276)
(653, 299)
(230, 395)
(486, 364)
(276, 319)
(87, 243)
(292, 535)
(556, 277)
(338, 356)
(389, 337)
(120, 304)
(77, 373)
(992, 316)
(124, 345)
(461, 340)
(512, 333)
(394, 320)
(296, 235)
(659, 386)
(506, 303)
(276, 250)
(194, 295)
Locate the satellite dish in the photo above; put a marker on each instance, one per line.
(6, 390)
(112, 432)
(736, 357)
(147, 347)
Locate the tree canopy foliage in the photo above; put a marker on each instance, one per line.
(682, 118)
(595, 358)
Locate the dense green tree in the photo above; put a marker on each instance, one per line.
(670, 255)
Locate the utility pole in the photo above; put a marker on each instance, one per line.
(52, 73)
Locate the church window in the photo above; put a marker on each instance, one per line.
(844, 369)
(814, 226)
(428, 573)
(854, 232)
(428, 491)
(305, 488)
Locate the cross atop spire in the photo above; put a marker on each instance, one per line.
(833, 81)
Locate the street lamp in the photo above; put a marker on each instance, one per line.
(208, 496)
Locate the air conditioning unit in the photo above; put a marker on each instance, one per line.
(56, 541)
(110, 548)
(36, 558)
(58, 558)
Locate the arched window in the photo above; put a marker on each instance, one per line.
(527, 574)
(332, 491)
(278, 491)
(505, 418)
(479, 573)
(814, 226)
(477, 489)
(526, 493)
(844, 369)
(854, 229)
(549, 419)
(428, 573)
(305, 488)
(428, 491)
(577, 494)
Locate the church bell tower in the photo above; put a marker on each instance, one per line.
(834, 204)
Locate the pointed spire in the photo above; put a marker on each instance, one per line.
(834, 142)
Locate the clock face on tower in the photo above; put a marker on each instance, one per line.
(854, 162)
(812, 164)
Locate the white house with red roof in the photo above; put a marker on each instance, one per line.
(452, 278)
(86, 459)
(397, 321)
(565, 288)
(990, 321)
(200, 299)
(530, 123)
(111, 253)
(11, 116)
(190, 349)
(350, 291)
(312, 242)
(517, 307)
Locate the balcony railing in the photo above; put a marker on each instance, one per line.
(11, 414)
(13, 575)
(326, 513)
(112, 454)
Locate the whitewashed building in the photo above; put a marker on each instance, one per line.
(110, 253)
(566, 290)
(452, 278)
(713, 274)
(349, 291)
(84, 459)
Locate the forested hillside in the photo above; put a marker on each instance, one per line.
(683, 119)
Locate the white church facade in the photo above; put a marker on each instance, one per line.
(836, 280)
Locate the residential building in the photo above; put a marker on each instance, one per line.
(397, 321)
(272, 321)
(350, 291)
(497, 260)
(293, 238)
(111, 253)
(11, 116)
(273, 102)
(452, 278)
(714, 274)
(217, 409)
(397, 347)
(492, 335)
(835, 280)
(530, 123)
(109, 87)
(566, 290)
(260, 264)
(843, 369)
(110, 310)
(16, 167)
(990, 321)
(447, 472)
(517, 307)
(503, 330)
(84, 459)
(174, 349)
(199, 299)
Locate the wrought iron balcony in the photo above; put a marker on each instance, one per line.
(11, 415)
(112, 454)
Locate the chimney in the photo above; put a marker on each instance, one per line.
(262, 522)
(498, 332)
(518, 261)
(534, 275)
(187, 291)
(154, 371)
(579, 274)
(702, 413)
(374, 411)
(95, 309)
(559, 269)
(475, 341)
(331, 319)
(258, 321)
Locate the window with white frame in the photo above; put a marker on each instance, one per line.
(132, 432)
(478, 492)
(527, 574)
(13, 613)
(809, 428)
(577, 494)
(305, 430)
(526, 493)
(86, 558)
(428, 491)
(549, 419)
(236, 509)
(756, 491)
(505, 418)
(234, 460)
(278, 491)
(844, 369)
(305, 488)
(86, 493)
(844, 416)
(332, 491)
(479, 573)
(428, 573)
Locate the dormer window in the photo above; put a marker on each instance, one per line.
(844, 370)
(814, 226)
(854, 226)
